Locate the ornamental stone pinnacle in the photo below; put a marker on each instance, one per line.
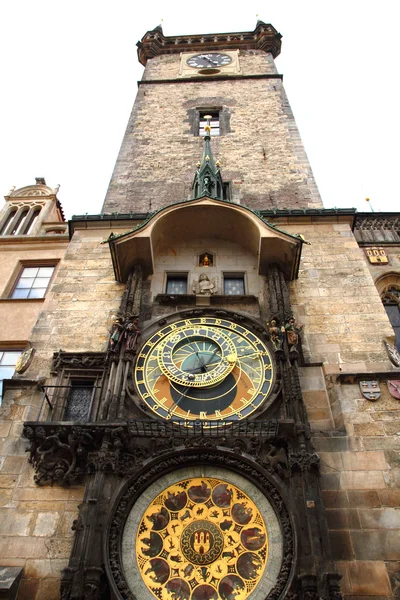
(207, 180)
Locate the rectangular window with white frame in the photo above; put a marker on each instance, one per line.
(33, 282)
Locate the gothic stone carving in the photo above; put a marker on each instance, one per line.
(77, 360)
(63, 454)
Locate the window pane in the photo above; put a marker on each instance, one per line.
(393, 313)
(46, 272)
(234, 286)
(25, 282)
(78, 403)
(33, 282)
(8, 361)
(30, 272)
(20, 293)
(176, 285)
(6, 372)
(37, 293)
(41, 282)
(8, 221)
(10, 358)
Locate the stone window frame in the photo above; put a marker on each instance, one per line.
(385, 284)
(224, 118)
(59, 391)
(20, 219)
(169, 275)
(15, 278)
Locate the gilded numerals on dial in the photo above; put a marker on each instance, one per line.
(204, 368)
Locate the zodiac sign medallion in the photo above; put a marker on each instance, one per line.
(201, 539)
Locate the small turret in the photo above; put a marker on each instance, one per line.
(207, 180)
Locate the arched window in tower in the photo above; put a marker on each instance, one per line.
(32, 220)
(19, 222)
(7, 222)
(391, 302)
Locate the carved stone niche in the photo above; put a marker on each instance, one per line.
(204, 490)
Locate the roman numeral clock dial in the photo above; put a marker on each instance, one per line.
(204, 368)
(210, 60)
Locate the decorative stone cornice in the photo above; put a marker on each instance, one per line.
(154, 43)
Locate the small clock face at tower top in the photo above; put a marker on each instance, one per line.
(209, 60)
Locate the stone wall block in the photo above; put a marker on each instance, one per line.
(46, 523)
(376, 545)
(343, 519)
(341, 545)
(15, 522)
(368, 578)
(362, 480)
(364, 499)
(380, 518)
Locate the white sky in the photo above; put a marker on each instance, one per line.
(69, 71)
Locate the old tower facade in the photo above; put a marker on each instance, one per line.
(209, 403)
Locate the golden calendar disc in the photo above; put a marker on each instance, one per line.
(201, 539)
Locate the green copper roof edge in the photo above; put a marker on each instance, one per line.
(257, 213)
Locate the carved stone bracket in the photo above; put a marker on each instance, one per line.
(63, 454)
(333, 580)
(77, 360)
(303, 461)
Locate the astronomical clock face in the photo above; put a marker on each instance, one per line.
(202, 537)
(204, 368)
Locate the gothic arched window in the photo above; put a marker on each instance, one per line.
(391, 301)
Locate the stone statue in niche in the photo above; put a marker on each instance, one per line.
(115, 334)
(276, 334)
(292, 334)
(131, 334)
(206, 259)
(205, 286)
(208, 184)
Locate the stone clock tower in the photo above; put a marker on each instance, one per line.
(205, 335)
(234, 78)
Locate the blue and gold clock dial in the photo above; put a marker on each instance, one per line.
(204, 368)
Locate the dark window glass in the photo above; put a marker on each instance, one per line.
(234, 286)
(393, 313)
(33, 282)
(32, 221)
(214, 122)
(79, 401)
(226, 190)
(176, 284)
(19, 222)
(8, 360)
(8, 221)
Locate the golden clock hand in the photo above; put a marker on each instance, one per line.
(258, 353)
(175, 404)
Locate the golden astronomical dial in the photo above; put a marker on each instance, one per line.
(201, 539)
(204, 368)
